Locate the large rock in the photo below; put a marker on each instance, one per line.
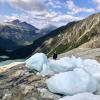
(36, 62)
(82, 96)
(7, 95)
(45, 94)
(72, 82)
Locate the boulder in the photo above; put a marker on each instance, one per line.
(45, 94)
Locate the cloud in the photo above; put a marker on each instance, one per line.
(97, 2)
(73, 9)
(29, 5)
(36, 12)
(64, 19)
(54, 3)
(41, 21)
(6, 18)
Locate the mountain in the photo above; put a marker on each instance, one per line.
(46, 30)
(83, 33)
(23, 25)
(74, 34)
(16, 34)
(26, 51)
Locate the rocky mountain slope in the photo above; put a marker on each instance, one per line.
(85, 53)
(84, 33)
(16, 34)
(26, 51)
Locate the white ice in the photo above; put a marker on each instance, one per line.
(82, 96)
(72, 82)
(73, 75)
(93, 67)
(37, 61)
(44, 66)
(61, 65)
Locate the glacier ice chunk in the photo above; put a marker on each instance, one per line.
(61, 65)
(37, 61)
(44, 66)
(82, 96)
(72, 82)
(92, 67)
(46, 70)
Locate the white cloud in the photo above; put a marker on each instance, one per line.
(55, 19)
(64, 19)
(73, 9)
(36, 13)
(6, 18)
(30, 5)
(54, 3)
(40, 22)
(97, 2)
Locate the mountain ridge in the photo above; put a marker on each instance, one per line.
(79, 33)
(63, 39)
(16, 34)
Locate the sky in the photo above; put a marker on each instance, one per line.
(42, 13)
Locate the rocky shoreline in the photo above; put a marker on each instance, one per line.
(18, 83)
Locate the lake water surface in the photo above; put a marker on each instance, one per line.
(10, 61)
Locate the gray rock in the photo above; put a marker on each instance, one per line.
(7, 95)
(26, 89)
(45, 94)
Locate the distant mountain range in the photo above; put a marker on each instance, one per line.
(46, 30)
(15, 34)
(84, 33)
(23, 25)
